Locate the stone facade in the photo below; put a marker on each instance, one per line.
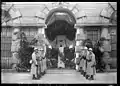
(85, 15)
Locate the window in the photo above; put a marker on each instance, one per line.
(113, 42)
(33, 31)
(93, 33)
(9, 32)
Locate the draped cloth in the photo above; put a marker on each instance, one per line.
(60, 63)
(61, 57)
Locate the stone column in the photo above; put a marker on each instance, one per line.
(41, 30)
(15, 47)
(80, 36)
(107, 47)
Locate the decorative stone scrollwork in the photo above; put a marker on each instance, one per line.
(15, 40)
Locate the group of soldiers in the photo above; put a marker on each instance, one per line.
(38, 63)
(85, 63)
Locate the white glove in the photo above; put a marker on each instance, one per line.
(36, 63)
(30, 61)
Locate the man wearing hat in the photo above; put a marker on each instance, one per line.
(34, 64)
(90, 71)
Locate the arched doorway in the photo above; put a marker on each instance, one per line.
(60, 29)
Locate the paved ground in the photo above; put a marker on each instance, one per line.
(58, 76)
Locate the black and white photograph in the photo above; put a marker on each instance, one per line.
(59, 42)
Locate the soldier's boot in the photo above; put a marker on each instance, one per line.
(44, 72)
(80, 69)
(34, 77)
(39, 76)
(87, 76)
(84, 74)
(41, 73)
(92, 77)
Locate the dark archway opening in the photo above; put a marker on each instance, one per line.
(60, 27)
(60, 21)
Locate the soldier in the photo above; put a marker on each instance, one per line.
(85, 54)
(34, 64)
(80, 60)
(90, 71)
(81, 64)
(42, 60)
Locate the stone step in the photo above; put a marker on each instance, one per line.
(9, 70)
(61, 71)
(56, 71)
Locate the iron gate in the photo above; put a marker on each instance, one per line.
(6, 39)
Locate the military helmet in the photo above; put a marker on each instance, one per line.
(16, 30)
(35, 48)
(85, 48)
(90, 49)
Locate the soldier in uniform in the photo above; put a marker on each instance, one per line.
(80, 60)
(34, 64)
(85, 54)
(90, 71)
(81, 64)
(77, 59)
(44, 59)
(40, 61)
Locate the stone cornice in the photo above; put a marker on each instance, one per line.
(20, 25)
(103, 25)
(76, 25)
